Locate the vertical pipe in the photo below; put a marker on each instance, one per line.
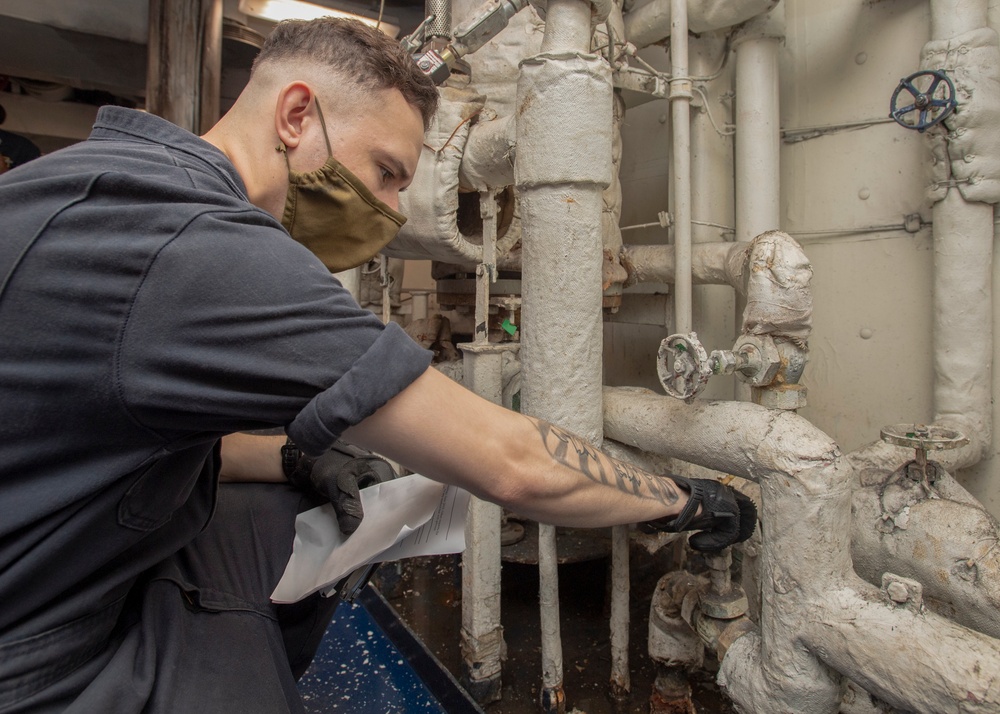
(680, 103)
(951, 18)
(482, 634)
(563, 164)
(758, 138)
(621, 682)
(758, 141)
(963, 283)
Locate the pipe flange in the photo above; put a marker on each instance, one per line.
(600, 9)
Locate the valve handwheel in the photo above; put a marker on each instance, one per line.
(683, 366)
(922, 100)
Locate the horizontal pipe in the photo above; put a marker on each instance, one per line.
(914, 660)
(650, 23)
(771, 273)
(710, 263)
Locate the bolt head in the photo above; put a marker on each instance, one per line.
(897, 592)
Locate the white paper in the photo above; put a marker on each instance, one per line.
(405, 517)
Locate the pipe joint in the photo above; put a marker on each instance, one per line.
(681, 88)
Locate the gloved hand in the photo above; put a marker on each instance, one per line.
(338, 477)
(727, 516)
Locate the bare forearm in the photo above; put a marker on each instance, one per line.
(253, 458)
(534, 468)
(585, 486)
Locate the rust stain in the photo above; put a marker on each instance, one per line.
(659, 705)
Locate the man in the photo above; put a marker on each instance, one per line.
(153, 303)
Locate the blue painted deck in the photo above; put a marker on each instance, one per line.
(370, 663)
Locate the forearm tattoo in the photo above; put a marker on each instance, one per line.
(579, 455)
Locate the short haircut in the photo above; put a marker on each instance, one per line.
(356, 53)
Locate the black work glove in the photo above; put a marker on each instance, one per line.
(727, 516)
(338, 477)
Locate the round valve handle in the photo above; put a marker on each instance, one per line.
(922, 100)
(923, 437)
(683, 366)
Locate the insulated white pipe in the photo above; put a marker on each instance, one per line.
(951, 18)
(963, 284)
(564, 124)
(758, 140)
(649, 23)
(815, 609)
(680, 126)
(963, 321)
(758, 137)
(567, 26)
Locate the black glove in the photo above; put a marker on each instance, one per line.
(338, 477)
(727, 516)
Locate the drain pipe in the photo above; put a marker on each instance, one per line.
(818, 619)
(563, 164)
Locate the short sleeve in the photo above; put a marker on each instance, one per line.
(236, 326)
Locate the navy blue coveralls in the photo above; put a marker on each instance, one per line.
(147, 309)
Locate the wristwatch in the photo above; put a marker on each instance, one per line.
(290, 454)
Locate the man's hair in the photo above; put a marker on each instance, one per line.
(355, 52)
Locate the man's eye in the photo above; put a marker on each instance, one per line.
(386, 173)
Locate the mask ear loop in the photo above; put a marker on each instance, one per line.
(322, 121)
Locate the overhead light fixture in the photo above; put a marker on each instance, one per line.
(278, 10)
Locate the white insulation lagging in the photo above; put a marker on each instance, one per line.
(650, 22)
(771, 274)
(564, 124)
(818, 618)
(965, 183)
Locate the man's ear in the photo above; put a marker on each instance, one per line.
(291, 112)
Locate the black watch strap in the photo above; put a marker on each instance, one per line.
(290, 454)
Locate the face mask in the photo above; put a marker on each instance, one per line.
(333, 214)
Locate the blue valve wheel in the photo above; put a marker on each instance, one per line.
(922, 100)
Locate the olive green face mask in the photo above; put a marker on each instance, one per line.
(333, 214)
